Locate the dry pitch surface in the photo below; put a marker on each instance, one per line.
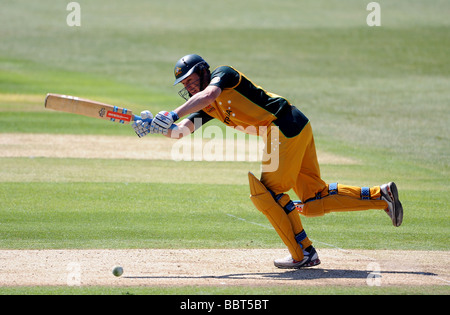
(220, 267)
(116, 147)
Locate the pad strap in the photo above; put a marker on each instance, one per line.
(301, 237)
(333, 189)
(365, 193)
(289, 207)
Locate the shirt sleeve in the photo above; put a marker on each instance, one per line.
(225, 77)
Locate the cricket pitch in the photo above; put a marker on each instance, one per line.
(220, 267)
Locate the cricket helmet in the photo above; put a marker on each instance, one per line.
(187, 66)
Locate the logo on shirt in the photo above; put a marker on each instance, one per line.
(209, 109)
(228, 113)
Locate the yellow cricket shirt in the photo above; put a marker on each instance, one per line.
(246, 106)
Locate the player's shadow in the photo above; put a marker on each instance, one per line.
(318, 273)
(302, 274)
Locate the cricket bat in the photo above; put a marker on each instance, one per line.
(76, 105)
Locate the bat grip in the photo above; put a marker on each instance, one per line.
(136, 117)
(149, 120)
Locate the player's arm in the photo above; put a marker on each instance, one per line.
(199, 101)
(163, 123)
(181, 129)
(189, 125)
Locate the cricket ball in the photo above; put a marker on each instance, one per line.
(117, 271)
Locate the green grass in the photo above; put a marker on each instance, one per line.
(382, 87)
(378, 95)
(263, 292)
(97, 210)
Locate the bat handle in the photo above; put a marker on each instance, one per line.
(136, 117)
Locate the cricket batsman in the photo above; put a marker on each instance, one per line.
(228, 95)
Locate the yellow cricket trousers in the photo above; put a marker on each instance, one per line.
(298, 169)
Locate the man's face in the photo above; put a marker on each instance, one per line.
(192, 83)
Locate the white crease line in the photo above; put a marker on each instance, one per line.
(442, 279)
(259, 224)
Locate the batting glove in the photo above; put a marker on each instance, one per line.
(162, 122)
(142, 128)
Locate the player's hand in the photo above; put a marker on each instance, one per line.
(162, 122)
(142, 128)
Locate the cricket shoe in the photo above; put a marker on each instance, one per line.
(389, 193)
(310, 259)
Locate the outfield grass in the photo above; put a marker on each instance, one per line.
(260, 291)
(88, 211)
(376, 94)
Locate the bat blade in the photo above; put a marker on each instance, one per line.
(85, 107)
